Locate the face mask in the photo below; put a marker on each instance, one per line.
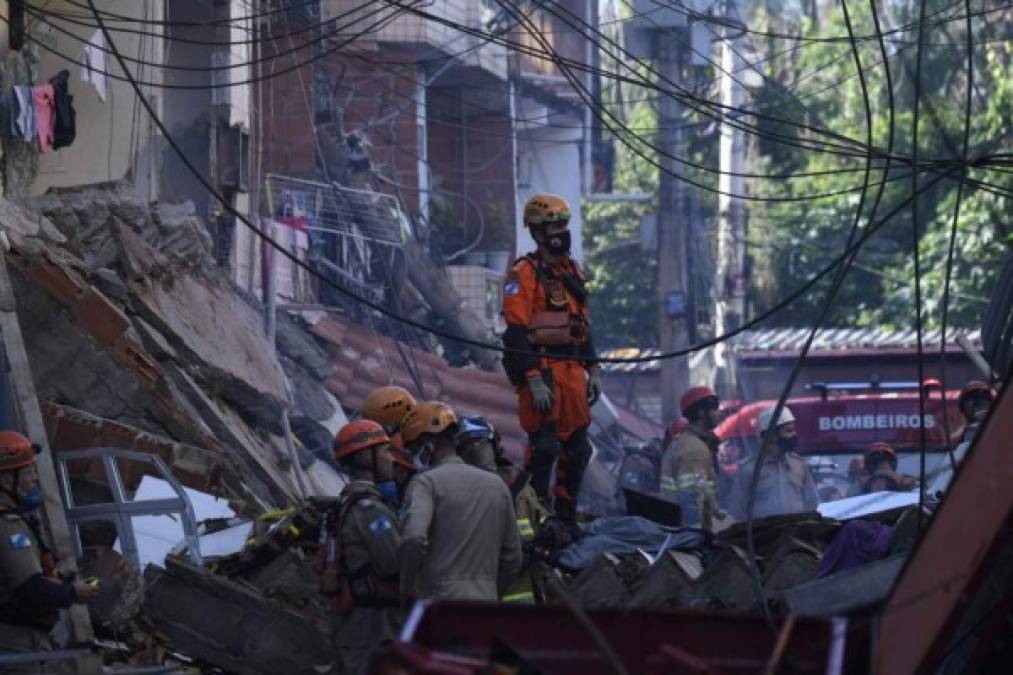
(558, 244)
(787, 444)
(388, 490)
(31, 501)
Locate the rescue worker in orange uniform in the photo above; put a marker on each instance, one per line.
(545, 309)
(360, 552)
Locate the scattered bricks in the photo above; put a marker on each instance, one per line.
(132, 356)
(99, 317)
(65, 286)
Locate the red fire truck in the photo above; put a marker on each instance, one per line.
(841, 419)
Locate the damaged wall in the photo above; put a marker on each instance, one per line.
(139, 327)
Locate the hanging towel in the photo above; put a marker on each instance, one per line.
(45, 115)
(23, 115)
(65, 124)
(93, 60)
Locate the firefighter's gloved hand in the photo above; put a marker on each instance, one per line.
(593, 386)
(541, 395)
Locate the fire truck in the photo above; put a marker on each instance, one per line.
(841, 419)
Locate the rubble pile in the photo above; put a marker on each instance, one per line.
(714, 572)
(127, 318)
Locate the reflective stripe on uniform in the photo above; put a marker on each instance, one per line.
(688, 481)
(524, 596)
(525, 529)
(668, 484)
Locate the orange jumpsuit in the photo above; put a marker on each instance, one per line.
(562, 432)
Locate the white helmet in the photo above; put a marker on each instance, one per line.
(767, 414)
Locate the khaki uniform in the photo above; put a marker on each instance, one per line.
(640, 471)
(21, 628)
(786, 485)
(689, 476)
(460, 533)
(531, 512)
(370, 540)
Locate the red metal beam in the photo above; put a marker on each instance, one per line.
(953, 556)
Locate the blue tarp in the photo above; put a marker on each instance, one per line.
(626, 535)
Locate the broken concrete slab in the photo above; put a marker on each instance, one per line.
(296, 342)
(792, 562)
(847, 591)
(232, 625)
(669, 581)
(220, 335)
(727, 582)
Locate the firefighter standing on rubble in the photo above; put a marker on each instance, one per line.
(479, 445)
(786, 483)
(545, 309)
(361, 543)
(459, 533)
(30, 596)
(689, 467)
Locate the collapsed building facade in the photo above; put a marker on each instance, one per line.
(163, 387)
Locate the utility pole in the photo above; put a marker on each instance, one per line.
(673, 316)
(731, 253)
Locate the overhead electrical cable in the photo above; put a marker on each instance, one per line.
(868, 232)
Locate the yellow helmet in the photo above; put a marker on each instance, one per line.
(428, 417)
(388, 405)
(546, 208)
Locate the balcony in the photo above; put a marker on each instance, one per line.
(389, 26)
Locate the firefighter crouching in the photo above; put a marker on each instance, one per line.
(545, 309)
(30, 596)
(479, 445)
(360, 547)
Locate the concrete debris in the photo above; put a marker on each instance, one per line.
(845, 591)
(717, 574)
(84, 216)
(237, 627)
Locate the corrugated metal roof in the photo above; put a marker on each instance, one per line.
(791, 340)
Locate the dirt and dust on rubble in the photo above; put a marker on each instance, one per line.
(138, 341)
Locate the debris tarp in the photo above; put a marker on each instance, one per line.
(626, 536)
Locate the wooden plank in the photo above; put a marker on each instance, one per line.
(31, 416)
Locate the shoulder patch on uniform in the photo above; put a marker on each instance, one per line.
(21, 541)
(380, 525)
(512, 285)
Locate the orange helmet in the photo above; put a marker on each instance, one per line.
(880, 448)
(429, 417)
(16, 451)
(694, 396)
(358, 435)
(388, 405)
(972, 388)
(543, 209)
